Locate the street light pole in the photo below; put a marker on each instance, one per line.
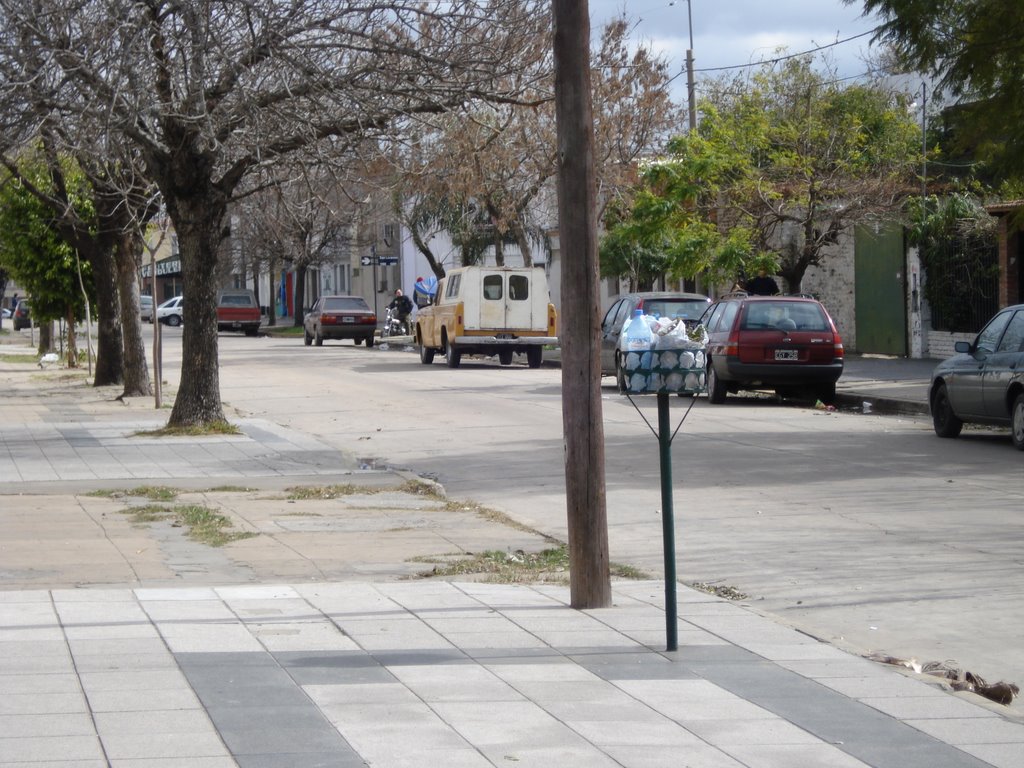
(924, 143)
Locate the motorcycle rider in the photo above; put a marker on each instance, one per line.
(401, 305)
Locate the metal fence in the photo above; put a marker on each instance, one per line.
(963, 285)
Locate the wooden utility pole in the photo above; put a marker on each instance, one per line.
(582, 417)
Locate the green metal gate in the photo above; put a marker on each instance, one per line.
(880, 285)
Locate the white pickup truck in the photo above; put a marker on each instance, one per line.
(488, 311)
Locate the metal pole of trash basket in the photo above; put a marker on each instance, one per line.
(668, 524)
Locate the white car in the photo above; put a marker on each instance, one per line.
(170, 312)
(5, 313)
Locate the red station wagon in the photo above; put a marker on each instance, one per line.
(788, 344)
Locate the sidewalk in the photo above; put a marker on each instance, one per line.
(190, 659)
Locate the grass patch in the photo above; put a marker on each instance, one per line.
(729, 593)
(194, 430)
(151, 492)
(550, 565)
(281, 330)
(32, 359)
(229, 489)
(204, 524)
(325, 492)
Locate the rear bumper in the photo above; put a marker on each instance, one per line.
(496, 341)
(779, 374)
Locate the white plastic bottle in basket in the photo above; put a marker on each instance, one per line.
(638, 333)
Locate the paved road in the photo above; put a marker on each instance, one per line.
(320, 672)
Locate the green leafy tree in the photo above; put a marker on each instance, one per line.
(783, 163)
(38, 258)
(975, 50)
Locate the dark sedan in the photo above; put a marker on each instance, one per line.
(984, 382)
(686, 306)
(340, 317)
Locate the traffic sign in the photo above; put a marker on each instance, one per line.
(387, 261)
(367, 260)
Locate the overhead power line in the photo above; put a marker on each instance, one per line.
(787, 56)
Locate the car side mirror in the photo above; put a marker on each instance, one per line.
(964, 347)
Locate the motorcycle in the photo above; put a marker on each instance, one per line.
(394, 324)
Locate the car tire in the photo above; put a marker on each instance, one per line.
(452, 356)
(426, 354)
(717, 390)
(620, 375)
(534, 356)
(174, 320)
(944, 421)
(1017, 423)
(369, 341)
(318, 338)
(505, 357)
(307, 339)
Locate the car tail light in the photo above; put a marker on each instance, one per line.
(732, 344)
(837, 341)
(370, 320)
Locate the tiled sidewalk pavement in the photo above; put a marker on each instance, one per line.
(462, 675)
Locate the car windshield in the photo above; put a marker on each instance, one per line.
(345, 304)
(787, 315)
(685, 308)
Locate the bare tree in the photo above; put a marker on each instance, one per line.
(484, 176)
(210, 93)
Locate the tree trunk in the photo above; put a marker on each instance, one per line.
(72, 348)
(46, 337)
(272, 298)
(300, 293)
(109, 341)
(524, 244)
(136, 371)
(582, 418)
(199, 221)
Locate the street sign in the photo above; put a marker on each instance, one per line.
(387, 261)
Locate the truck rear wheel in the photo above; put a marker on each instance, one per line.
(534, 356)
(452, 356)
(426, 354)
(505, 357)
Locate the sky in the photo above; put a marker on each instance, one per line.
(727, 33)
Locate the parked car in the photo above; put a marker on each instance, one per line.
(146, 308)
(237, 310)
(5, 313)
(984, 382)
(688, 306)
(22, 315)
(788, 344)
(171, 312)
(340, 317)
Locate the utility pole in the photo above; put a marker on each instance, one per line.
(690, 90)
(582, 417)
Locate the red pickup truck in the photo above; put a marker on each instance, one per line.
(237, 311)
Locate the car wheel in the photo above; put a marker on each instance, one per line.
(826, 393)
(306, 338)
(426, 354)
(716, 387)
(318, 338)
(944, 421)
(1017, 423)
(534, 356)
(452, 356)
(505, 357)
(620, 375)
(369, 341)
(174, 320)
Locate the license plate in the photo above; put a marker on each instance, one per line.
(236, 324)
(348, 319)
(786, 354)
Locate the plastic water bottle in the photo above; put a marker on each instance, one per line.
(638, 333)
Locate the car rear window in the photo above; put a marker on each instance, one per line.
(674, 308)
(786, 315)
(237, 300)
(345, 303)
